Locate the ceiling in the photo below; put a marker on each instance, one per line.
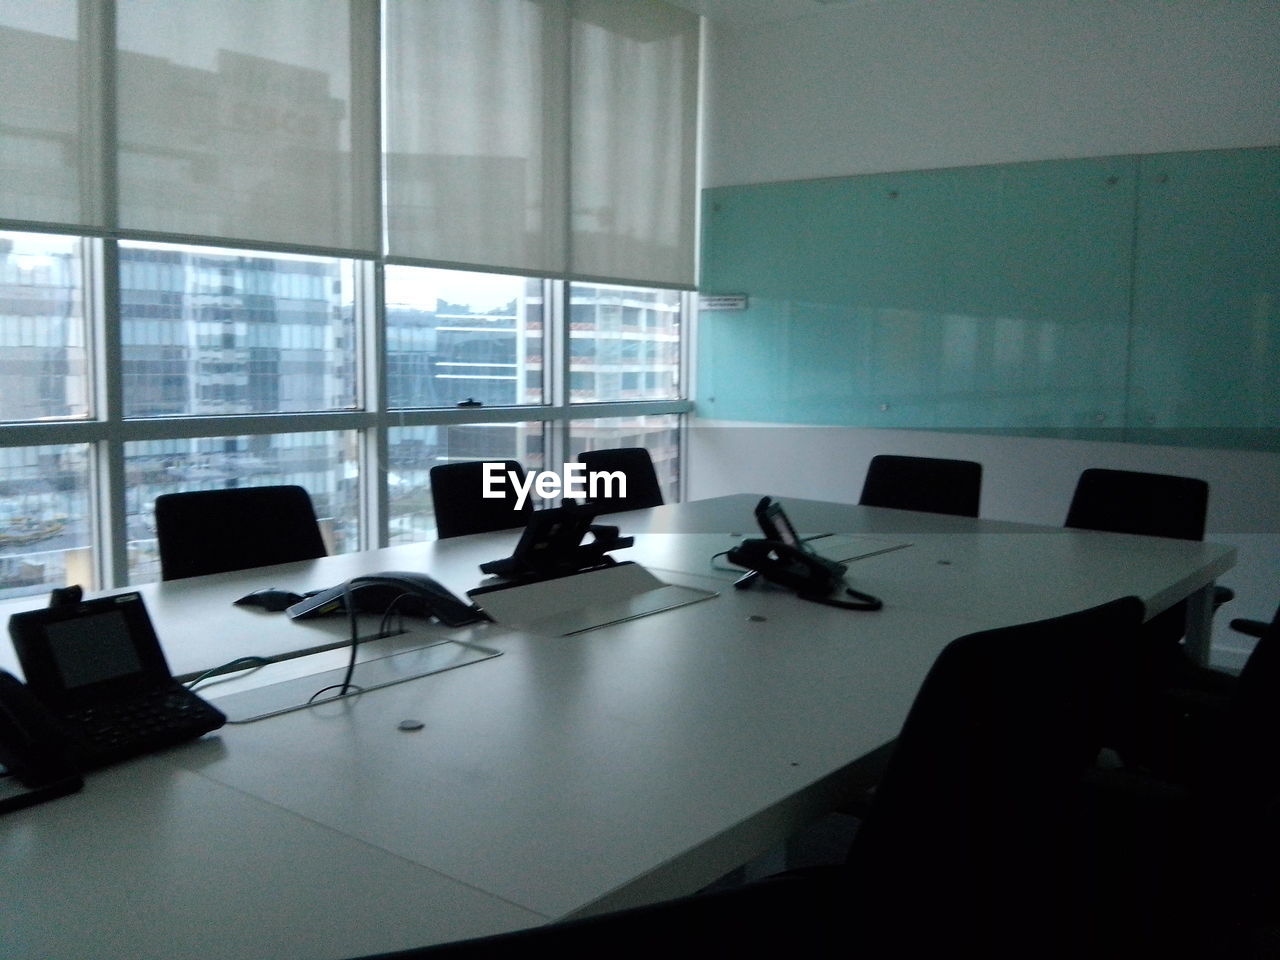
(744, 13)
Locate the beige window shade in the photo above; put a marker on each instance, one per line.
(554, 137)
(247, 119)
(475, 132)
(542, 137)
(633, 149)
(49, 169)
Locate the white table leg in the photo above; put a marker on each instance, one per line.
(1200, 624)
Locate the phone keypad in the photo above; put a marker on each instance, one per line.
(108, 732)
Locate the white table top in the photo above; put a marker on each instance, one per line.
(566, 776)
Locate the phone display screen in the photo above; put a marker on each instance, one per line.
(92, 649)
(776, 525)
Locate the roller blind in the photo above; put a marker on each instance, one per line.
(543, 135)
(49, 166)
(552, 137)
(633, 149)
(247, 119)
(476, 132)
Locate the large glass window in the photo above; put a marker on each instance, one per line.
(229, 367)
(331, 243)
(207, 331)
(43, 356)
(459, 337)
(624, 343)
(44, 518)
(324, 463)
(413, 451)
(660, 435)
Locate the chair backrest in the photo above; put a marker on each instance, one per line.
(927, 484)
(1150, 504)
(643, 489)
(457, 493)
(969, 840)
(213, 531)
(1241, 833)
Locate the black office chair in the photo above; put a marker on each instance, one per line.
(1188, 846)
(457, 494)
(973, 842)
(927, 484)
(214, 531)
(1149, 504)
(972, 846)
(1154, 505)
(643, 489)
(1199, 701)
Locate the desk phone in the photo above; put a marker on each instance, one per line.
(98, 689)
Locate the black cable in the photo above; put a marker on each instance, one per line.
(861, 601)
(231, 666)
(348, 600)
(344, 687)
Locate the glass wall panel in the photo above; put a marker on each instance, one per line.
(45, 537)
(454, 336)
(326, 464)
(660, 435)
(624, 343)
(208, 331)
(43, 360)
(413, 451)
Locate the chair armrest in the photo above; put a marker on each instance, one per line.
(1250, 628)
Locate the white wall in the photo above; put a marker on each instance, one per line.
(885, 85)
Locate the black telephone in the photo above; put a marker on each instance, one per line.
(554, 544)
(32, 747)
(98, 691)
(415, 594)
(783, 558)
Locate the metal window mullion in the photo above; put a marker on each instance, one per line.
(371, 321)
(108, 484)
(688, 373)
(99, 205)
(241, 425)
(556, 431)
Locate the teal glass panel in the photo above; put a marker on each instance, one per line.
(983, 298)
(1206, 327)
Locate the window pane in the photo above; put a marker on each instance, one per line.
(454, 336)
(659, 435)
(413, 451)
(44, 519)
(324, 463)
(43, 362)
(624, 343)
(215, 332)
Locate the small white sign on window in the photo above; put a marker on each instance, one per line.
(727, 301)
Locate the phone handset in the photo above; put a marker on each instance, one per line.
(32, 747)
(783, 558)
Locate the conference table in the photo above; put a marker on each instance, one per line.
(541, 776)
